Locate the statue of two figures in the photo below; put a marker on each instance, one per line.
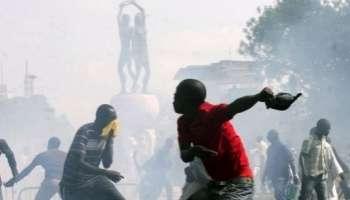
(133, 57)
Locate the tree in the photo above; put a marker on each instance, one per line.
(306, 42)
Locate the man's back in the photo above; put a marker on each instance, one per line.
(278, 161)
(52, 161)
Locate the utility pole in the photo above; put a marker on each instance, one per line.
(3, 86)
(28, 82)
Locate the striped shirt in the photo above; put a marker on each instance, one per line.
(89, 143)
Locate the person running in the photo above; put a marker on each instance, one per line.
(52, 161)
(280, 166)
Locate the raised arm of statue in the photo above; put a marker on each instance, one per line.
(121, 8)
(141, 9)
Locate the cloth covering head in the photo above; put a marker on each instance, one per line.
(105, 114)
(111, 130)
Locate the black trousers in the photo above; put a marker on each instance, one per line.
(280, 188)
(311, 184)
(99, 189)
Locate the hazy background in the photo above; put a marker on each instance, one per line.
(73, 45)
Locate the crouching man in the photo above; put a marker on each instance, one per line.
(82, 178)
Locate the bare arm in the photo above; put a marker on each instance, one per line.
(245, 103)
(25, 172)
(141, 9)
(120, 11)
(343, 165)
(242, 104)
(107, 157)
(10, 156)
(336, 165)
(188, 152)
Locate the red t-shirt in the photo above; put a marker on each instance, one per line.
(212, 129)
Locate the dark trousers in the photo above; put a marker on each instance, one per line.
(280, 187)
(311, 184)
(99, 189)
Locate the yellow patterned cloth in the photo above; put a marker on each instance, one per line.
(111, 130)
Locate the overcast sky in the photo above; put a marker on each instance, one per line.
(72, 45)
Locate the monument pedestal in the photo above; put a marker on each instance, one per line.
(137, 114)
(136, 111)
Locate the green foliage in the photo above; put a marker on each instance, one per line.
(306, 39)
(300, 34)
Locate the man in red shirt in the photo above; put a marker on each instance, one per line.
(204, 131)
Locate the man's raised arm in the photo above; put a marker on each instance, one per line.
(141, 9)
(120, 11)
(245, 103)
(25, 172)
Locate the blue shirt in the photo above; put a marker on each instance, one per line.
(279, 162)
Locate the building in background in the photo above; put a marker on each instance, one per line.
(30, 119)
(225, 79)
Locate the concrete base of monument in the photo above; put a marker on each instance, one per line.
(136, 111)
(137, 114)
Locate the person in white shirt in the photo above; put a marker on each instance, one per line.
(317, 163)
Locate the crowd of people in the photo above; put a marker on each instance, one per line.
(321, 172)
(218, 165)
